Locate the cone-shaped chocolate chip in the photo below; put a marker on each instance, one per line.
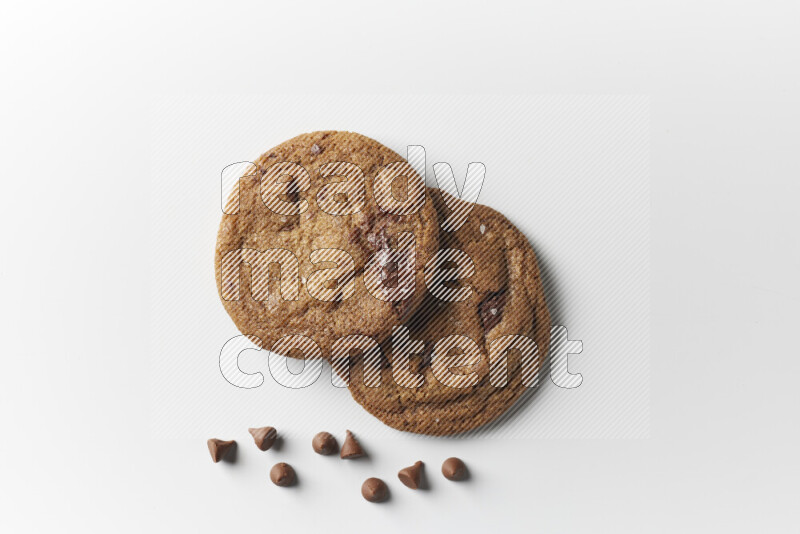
(454, 469)
(351, 448)
(219, 448)
(324, 443)
(264, 436)
(411, 476)
(374, 490)
(282, 474)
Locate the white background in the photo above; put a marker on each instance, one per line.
(79, 82)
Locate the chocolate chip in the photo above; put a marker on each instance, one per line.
(293, 192)
(316, 150)
(351, 448)
(264, 436)
(454, 469)
(219, 448)
(411, 476)
(324, 443)
(391, 275)
(282, 474)
(490, 310)
(374, 490)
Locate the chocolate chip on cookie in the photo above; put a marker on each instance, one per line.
(490, 309)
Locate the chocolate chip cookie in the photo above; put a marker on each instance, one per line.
(460, 363)
(326, 237)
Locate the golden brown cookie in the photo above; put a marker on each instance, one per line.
(505, 307)
(305, 249)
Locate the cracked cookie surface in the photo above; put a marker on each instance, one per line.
(506, 298)
(336, 218)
